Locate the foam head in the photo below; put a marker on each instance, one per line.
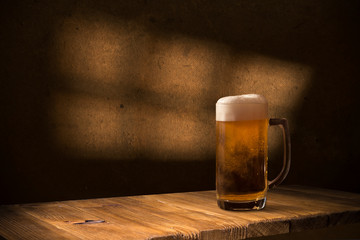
(241, 107)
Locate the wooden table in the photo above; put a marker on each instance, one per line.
(190, 215)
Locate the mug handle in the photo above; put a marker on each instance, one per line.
(283, 123)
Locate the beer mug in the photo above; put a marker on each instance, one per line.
(242, 152)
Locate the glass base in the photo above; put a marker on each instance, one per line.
(241, 206)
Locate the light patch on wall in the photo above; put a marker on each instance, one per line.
(284, 83)
(128, 94)
(87, 126)
(182, 67)
(179, 75)
(125, 93)
(167, 135)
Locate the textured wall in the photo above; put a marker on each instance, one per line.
(109, 98)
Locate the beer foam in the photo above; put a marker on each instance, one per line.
(241, 107)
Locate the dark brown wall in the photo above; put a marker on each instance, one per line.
(110, 98)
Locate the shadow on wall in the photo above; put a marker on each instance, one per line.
(118, 98)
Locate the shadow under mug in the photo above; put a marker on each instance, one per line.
(242, 152)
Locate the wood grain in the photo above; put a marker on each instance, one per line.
(190, 215)
(16, 224)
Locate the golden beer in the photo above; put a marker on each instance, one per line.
(241, 151)
(241, 160)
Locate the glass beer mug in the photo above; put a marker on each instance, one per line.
(242, 152)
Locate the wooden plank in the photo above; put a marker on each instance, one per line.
(349, 196)
(16, 224)
(315, 210)
(207, 222)
(329, 196)
(167, 218)
(127, 213)
(313, 202)
(248, 223)
(73, 220)
(192, 215)
(299, 212)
